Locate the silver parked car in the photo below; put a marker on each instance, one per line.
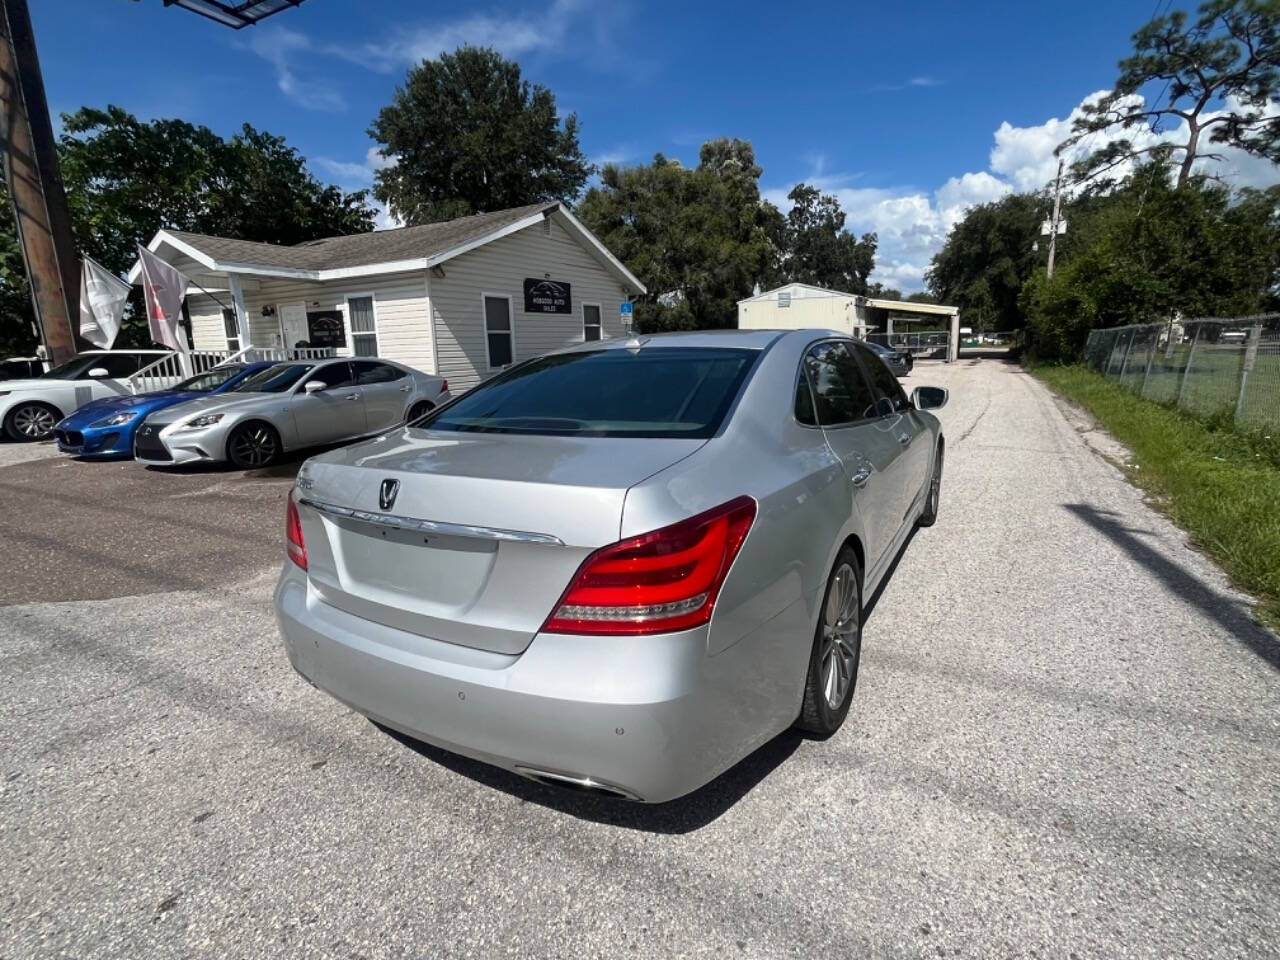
(288, 406)
(623, 566)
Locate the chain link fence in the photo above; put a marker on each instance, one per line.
(1208, 367)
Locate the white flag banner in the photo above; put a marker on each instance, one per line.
(102, 298)
(164, 289)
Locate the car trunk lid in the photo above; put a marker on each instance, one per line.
(466, 538)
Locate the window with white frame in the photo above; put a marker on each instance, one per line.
(590, 321)
(364, 329)
(231, 329)
(497, 330)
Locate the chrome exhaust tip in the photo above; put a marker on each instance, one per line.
(567, 781)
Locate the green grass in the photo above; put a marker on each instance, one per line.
(1222, 487)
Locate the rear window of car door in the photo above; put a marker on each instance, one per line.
(369, 372)
(841, 393)
(333, 375)
(889, 395)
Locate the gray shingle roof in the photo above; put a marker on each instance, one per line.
(362, 249)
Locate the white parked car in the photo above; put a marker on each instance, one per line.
(30, 408)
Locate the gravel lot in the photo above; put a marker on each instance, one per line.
(1063, 744)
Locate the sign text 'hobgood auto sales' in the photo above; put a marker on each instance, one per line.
(546, 296)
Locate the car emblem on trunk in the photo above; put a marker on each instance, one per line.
(387, 493)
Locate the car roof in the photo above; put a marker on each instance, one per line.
(95, 353)
(725, 339)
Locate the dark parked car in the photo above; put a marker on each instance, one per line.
(899, 362)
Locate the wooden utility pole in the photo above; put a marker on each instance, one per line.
(30, 161)
(1057, 208)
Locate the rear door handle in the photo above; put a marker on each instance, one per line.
(904, 438)
(406, 389)
(861, 476)
(353, 396)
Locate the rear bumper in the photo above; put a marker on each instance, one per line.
(645, 716)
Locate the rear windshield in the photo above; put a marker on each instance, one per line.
(275, 379)
(658, 392)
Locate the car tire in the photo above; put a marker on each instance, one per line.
(419, 410)
(837, 649)
(933, 499)
(253, 445)
(31, 422)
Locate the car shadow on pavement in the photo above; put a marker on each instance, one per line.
(869, 603)
(1228, 612)
(286, 468)
(684, 815)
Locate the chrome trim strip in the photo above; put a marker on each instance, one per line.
(584, 783)
(437, 527)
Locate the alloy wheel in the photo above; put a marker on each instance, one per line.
(840, 639)
(253, 446)
(34, 422)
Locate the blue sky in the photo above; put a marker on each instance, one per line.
(908, 111)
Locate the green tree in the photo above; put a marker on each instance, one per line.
(126, 178)
(819, 250)
(1151, 251)
(880, 292)
(697, 237)
(17, 319)
(1226, 62)
(986, 259)
(468, 134)
(922, 296)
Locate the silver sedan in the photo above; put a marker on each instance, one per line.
(286, 407)
(620, 567)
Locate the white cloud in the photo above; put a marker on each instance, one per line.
(954, 198)
(575, 28)
(617, 155)
(512, 35)
(355, 174)
(912, 224)
(385, 219)
(280, 46)
(918, 81)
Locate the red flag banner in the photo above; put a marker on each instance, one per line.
(164, 289)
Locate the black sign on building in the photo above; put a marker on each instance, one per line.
(546, 296)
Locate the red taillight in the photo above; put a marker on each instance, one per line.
(444, 386)
(295, 546)
(658, 582)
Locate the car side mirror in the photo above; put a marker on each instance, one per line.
(314, 386)
(99, 372)
(929, 398)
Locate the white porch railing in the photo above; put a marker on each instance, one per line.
(173, 367)
(254, 354)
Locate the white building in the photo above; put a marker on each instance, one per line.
(463, 298)
(800, 306)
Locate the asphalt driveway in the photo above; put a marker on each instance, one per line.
(1064, 743)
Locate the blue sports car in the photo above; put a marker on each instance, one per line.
(105, 428)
